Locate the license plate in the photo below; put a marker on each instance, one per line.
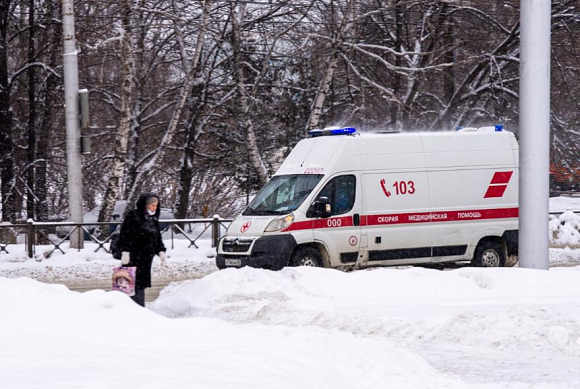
(234, 262)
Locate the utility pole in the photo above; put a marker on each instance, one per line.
(73, 136)
(534, 190)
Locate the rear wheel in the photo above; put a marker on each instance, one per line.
(489, 254)
(306, 256)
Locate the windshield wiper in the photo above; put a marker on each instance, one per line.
(259, 212)
(268, 212)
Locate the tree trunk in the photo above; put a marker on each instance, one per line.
(322, 92)
(186, 169)
(242, 99)
(132, 153)
(399, 11)
(448, 57)
(128, 68)
(141, 71)
(45, 128)
(6, 148)
(31, 192)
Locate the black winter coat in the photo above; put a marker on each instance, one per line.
(141, 237)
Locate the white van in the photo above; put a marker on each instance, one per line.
(343, 199)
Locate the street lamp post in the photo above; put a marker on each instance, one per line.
(534, 133)
(73, 142)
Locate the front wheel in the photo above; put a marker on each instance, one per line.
(306, 256)
(489, 254)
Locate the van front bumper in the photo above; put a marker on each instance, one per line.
(267, 252)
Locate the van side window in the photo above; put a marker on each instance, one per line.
(341, 193)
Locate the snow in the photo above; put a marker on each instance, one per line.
(301, 327)
(565, 227)
(468, 307)
(404, 327)
(79, 266)
(564, 203)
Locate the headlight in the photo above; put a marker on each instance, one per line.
(280, 223)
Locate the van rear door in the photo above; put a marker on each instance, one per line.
(474, 189)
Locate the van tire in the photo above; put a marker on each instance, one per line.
(489, 254)
(306, 256)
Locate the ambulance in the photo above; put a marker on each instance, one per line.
(344, 199)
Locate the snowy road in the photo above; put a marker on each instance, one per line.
(151, 293)
(477, 366)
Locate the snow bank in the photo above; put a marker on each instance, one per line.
(565, 230)
(515, 309)
(301, 328)
(59, 338)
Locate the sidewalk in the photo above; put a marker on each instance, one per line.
(86, 267)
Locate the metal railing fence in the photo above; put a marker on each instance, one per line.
(43, 233)
(56, 233)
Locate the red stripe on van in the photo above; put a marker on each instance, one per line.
(501, 177)
(441, 216)
(495, 191)
(331, 222)
(305, 225)
(406, 218)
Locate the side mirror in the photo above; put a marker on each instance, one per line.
(322, 207)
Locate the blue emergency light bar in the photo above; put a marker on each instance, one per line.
(332, 131)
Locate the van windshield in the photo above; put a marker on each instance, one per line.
(282, 194)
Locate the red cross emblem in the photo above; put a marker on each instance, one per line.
(245, 227)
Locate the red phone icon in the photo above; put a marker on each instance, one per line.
(387, 193)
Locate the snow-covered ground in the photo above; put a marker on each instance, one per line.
(297, 328)
(75, 268)
(301, 328)
(564, 203)
(81, 266)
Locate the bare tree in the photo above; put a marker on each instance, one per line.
(48, 116)
(6, 147)
(122, 138)
(237, 14)
(221, 90)
(184, 93)
(335, 43)
(31, 179)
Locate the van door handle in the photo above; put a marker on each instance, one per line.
(356, 219)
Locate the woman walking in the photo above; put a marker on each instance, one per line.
(140, 240)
